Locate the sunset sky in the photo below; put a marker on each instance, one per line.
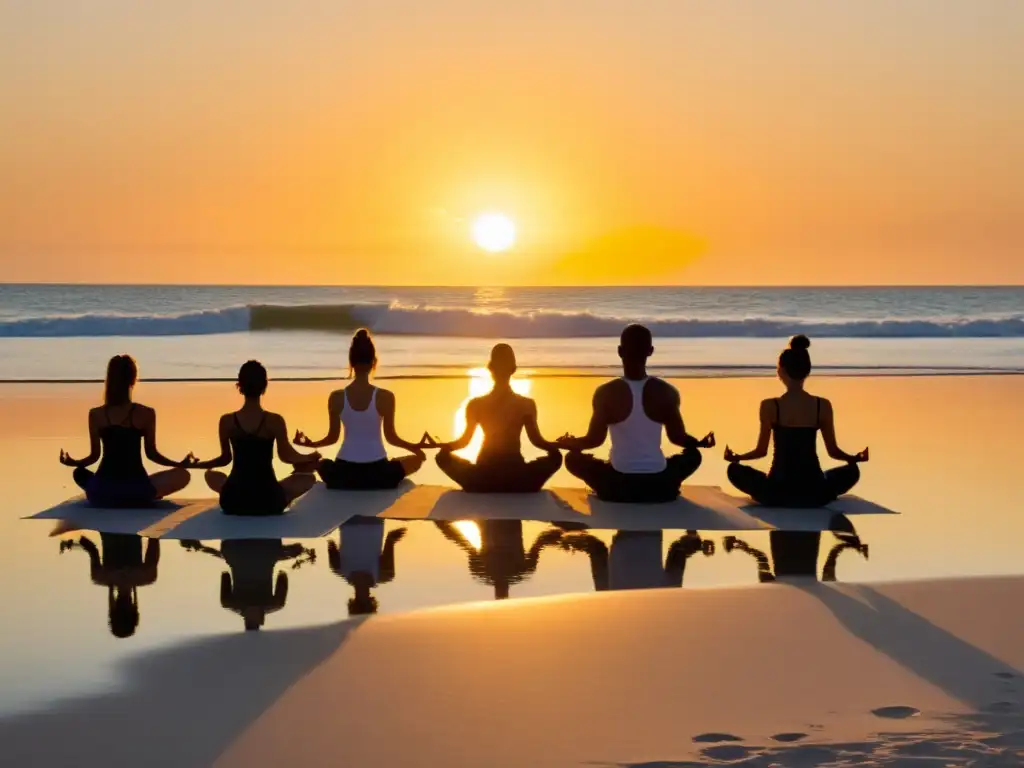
(632, 141)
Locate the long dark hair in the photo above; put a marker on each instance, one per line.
(122, 373)
(362, 351)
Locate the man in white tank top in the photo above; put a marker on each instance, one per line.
(634, 410)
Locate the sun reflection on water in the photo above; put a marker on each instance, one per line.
(480, 383)
(470, 532)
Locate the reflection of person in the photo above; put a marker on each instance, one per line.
(119, 429)
(634, 410)
(250, 589)
(501, 560)
(122, 569)
(793, 421)
(366, 412)
(365, 559)
(502, 415)
(634, 559)
(247, 440)
(795, 553)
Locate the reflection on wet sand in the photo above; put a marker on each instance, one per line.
(365, 558)
(795, 553)
(249, 588)
(497, 554)
(634, 559)
(122, 569)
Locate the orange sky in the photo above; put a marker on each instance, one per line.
(652, 141)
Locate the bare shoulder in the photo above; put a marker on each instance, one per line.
(610, 390)
(385, 396)
(97, 413)
(528, 404)
(825, 406)
(663, 388)
(336, 399)
(144, 412)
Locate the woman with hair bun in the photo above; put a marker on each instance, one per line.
(793, 421)
(120, 430)
(247, 439)
(368, 414)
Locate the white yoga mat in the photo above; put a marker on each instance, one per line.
(146, 521)
(313, 515)
(320, 511)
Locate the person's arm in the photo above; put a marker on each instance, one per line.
(224, 434)
(550, 538)
(94, 445)
(533, 429)
(596, 551)
(335, 404)
(285, 451)
(472, 422)
(675, 428)
(826, 420)
(387, 555)
(386, 408)
(95, 563)
(149, 437)
(597, 432)
(763, 437)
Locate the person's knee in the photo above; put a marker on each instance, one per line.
(444, 459)
(694, 458)
(852, 473)
(81, 477)
(412, 464)
(554, 461)
(180, 477)
(576, 463)
(735, 473)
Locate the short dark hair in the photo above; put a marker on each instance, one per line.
(635, 341)
(252, 379)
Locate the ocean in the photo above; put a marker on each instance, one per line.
(66, 332)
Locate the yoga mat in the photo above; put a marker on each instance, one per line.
(317, 513)
(149, 521)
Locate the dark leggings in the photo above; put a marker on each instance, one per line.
(102, 491)
(611, 485)
(772, 493)
(370, 476)
(511, 476)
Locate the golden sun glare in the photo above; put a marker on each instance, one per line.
(494, 232)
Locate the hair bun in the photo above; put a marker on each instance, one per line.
(362, 334)
(800, 342)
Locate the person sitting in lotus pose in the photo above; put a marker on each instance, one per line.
(502, 415)
(793, 422)
(635, 410)
(366, 411)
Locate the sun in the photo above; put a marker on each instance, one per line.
(494, 232)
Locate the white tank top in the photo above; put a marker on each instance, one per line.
(636, 440)
(363, 442)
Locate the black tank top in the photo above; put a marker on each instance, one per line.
(796, 451)
(122, 449)
(253, 456)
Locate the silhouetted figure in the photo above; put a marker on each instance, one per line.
(795, 553)
(792, 422)
(502, 415)
(122, 569)
(251, 589)
(635, 410)
(501, 560)
(247, 440)
(119, 430)
(368, 414)
(634, 559)
(365, 559)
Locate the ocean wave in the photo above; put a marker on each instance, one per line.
(467, 323)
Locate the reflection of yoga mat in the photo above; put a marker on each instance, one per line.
(145, 521)
(314, 514)
(824, 518)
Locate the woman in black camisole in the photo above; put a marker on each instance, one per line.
(793, 422)
(247, 440)
(119, 431)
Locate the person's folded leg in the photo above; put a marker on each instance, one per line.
(753, 482)
(840, 480)
(351, 476)
(599, 475)
(458, 469)
(537, 472)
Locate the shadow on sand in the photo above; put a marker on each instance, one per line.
(172, 707)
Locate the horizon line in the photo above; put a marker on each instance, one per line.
(435, 286)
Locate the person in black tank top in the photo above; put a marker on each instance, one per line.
(247, 440)
(793, 422)
(119, 431)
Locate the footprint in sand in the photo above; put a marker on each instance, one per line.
(789, 738)
(715, 738)
(727, 752)
(896, 713)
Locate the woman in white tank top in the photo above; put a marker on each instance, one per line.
(367, 414)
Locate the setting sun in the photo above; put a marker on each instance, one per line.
(494, 232)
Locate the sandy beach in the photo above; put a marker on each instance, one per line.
(572, 678)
